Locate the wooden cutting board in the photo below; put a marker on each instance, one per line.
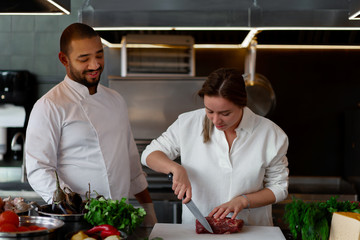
(169, 231)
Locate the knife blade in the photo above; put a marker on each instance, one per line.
(195, 211)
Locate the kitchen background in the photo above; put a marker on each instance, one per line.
(317, 91)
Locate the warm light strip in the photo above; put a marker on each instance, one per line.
(238, 46)
(355, 16)
(32, 13)
(222, 28)
(213, 28)
(133, 28)
(59, 7)
(307, 28)
(219, 46)
(252, 33)
(249, 37)
(266, 46)
(173, 28)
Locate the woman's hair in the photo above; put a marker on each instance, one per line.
(75, 31)
(227, 83)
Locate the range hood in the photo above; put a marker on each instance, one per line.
(289, 21)
(34, 7)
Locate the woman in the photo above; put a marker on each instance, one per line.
(233, 162)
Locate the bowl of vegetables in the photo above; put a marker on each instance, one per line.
(12, 225)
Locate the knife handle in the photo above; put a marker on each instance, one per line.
(170, 176)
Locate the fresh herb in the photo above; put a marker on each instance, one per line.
(119, 214)
(312, 220)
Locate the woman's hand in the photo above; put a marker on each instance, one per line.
(235, 205)
(181, 184)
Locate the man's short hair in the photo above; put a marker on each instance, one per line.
(75, 31)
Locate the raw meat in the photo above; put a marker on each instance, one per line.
(221, 226)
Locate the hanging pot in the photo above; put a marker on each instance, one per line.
(260, 94)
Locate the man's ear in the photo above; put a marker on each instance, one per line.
(63, 59)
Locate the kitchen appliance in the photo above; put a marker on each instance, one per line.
(154, 103)
(157, 55)
(17, 96)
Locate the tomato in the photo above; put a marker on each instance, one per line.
(36, 228)
(9, 217)
(33, 227)
(8, 227)
(23, 229)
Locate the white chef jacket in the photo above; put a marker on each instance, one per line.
(87, 139)
(257, 159)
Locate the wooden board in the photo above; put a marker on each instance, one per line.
(182, 232)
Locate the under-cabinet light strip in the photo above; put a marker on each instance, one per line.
(220, 28)
(59, 7)
(284, 46)
(238, 46)
(355, 16)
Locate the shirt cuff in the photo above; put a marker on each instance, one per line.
(280, 193)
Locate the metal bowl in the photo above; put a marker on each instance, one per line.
(43, 210)
(51, 225)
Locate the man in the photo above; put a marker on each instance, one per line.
(81, 129)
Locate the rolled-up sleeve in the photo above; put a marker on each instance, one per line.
(167, 143)
(277, 172)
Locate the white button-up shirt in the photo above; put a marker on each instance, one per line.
(257, 159)
(87, 139)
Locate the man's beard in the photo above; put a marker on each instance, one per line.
(81, 78)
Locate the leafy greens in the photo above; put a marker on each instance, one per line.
(312, 220)
(125, 217)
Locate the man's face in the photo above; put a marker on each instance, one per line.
(85, 62)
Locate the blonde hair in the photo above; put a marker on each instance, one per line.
(208, 127)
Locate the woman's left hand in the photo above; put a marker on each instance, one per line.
(235, 205)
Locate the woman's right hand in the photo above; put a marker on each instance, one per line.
(158, 161)
(181, 184)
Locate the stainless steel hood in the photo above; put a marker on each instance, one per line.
(215, 13)
(300, 18)
(34, 7)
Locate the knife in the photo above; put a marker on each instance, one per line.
(195, 211)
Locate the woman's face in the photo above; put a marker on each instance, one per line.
(225, 115)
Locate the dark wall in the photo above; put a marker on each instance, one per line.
(314, 90)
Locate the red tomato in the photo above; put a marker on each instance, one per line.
(33, 227)
(23, 229)
(9, 217)
(36, 228)
(8, 227)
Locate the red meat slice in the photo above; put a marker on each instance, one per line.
(221, 226)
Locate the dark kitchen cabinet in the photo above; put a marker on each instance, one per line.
(352, 143)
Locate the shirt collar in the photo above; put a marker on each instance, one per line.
(247, 121)
(78, 87)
